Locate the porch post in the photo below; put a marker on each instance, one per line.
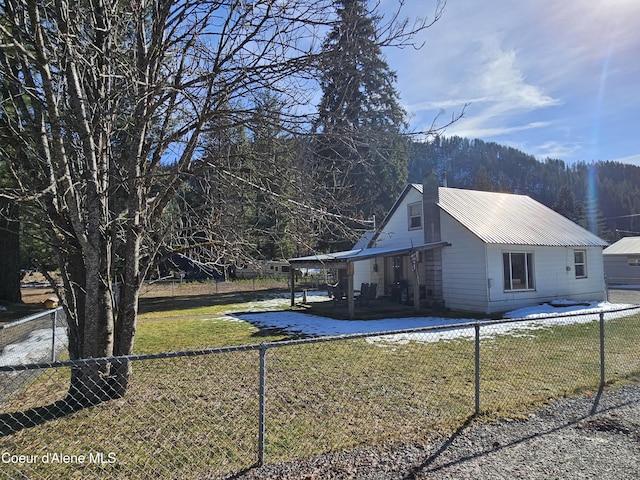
(416, 292)
(350, 298)
(292, 285)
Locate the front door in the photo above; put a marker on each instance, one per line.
(393, 272)
(398, 273)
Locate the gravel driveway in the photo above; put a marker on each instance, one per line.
(578, 438)
(626, 295)
(594, 437)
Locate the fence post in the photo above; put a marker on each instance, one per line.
(477, 368)
(602, 373)
(262, 401)
(53, 335)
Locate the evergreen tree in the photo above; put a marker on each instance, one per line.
(361, 155)
(10, 248)
(602, 196)
(9, 225)
(567, 205)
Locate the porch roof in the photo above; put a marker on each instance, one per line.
(341, 259)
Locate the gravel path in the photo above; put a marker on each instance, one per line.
(578, 438)
(587, 437)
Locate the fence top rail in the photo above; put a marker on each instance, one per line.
(301, 341)
(30, 318)
(83, 362)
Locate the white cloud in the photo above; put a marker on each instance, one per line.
(473, 129)
(554, 149)
(537, 73)
(502, 80)
(496, 89)
(632, 159)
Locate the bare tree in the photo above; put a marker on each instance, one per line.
(106, 103)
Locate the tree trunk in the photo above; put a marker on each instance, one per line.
(92, 317)
(10, 257)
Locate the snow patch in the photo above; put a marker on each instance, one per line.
(536, 317)
(35, 348)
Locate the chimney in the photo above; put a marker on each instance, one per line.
(432, 258)
(430, 209)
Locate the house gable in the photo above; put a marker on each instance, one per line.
(397, 230)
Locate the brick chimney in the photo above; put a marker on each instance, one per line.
(432, 258)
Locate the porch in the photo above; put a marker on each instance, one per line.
(381, 307)
(347, 298)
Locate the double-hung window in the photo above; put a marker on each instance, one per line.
(580, 263)
(518, 270)
(415, 215)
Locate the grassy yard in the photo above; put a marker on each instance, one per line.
(197, 416)
(196, 322)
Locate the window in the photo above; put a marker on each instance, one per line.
(634, 261)
(518, 271)
(580, 263)
(415, 216)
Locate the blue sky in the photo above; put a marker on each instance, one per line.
(553, 78)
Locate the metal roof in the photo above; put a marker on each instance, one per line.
(504, 218)
(624, 246)
(342, 258)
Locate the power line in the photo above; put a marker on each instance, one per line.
(624, 216)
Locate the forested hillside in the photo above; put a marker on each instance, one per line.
(602, 196)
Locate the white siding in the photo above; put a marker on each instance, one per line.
(554, 275)
(361, 273)
(396, 232)
(464, 275)
(473, 273)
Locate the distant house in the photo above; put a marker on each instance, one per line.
(473, 251)
(263, 269)
(622, 262)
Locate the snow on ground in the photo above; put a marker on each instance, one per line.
(35, 348)
(267, 313)
(537, 317)
(276, 301)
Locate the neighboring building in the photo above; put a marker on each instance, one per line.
(622, 262)
(263, 269)
(475, 251)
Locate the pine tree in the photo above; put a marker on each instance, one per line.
(360, 153)
(567, 205)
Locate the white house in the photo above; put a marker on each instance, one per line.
(475, 251)
(622, 262)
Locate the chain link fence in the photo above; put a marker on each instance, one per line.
(214, 413)
(37, 338)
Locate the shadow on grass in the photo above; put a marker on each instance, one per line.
(14, 422)
(276, 334)
(185, 302)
